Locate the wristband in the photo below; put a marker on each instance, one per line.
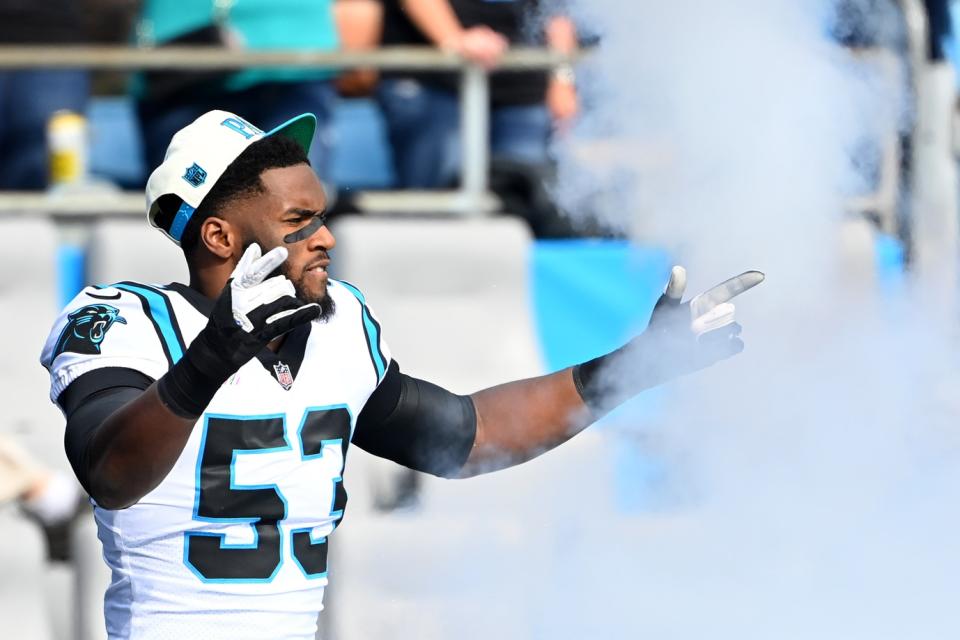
(189, 386)
(593, 383)
(585, 379)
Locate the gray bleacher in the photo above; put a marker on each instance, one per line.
(452, 297)
(130, 249)
(447, 290)
(28, 300)
(119, 249)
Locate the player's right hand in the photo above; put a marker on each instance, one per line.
(254, 309)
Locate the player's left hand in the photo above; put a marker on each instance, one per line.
(692, 335)
(682, 337)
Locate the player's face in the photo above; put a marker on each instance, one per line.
(293, 197)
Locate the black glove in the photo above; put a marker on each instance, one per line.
(252, 310)
(682, 337)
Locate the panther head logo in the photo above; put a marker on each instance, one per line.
(86, 328)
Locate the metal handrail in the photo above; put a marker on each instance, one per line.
(201, 58)
(473, 195)
(918, 42)
(892, 204)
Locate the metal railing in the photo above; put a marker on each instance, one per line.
(473, 196)
(918, 41)
(890, 205)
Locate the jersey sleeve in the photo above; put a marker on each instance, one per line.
(103, 327)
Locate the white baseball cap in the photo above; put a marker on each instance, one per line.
(198, 156)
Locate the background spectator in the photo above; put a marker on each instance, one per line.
(422, 110)
(168, 101)
(29, 97)
(360, 23)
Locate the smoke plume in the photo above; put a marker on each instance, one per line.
(813, 482)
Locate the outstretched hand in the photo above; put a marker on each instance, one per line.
(682, 337)
(703, 330)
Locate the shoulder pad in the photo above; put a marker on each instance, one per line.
(102, 327)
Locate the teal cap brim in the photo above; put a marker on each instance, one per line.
(301, 128)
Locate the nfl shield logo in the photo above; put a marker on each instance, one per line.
(284, 376)
(195, 175)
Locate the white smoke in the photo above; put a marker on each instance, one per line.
(820, 470)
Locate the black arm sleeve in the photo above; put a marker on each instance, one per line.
(417, 424)
(87, 402)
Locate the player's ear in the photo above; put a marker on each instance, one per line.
(219, 237)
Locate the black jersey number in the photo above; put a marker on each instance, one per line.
(219, 500)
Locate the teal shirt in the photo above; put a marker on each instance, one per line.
(262, 25)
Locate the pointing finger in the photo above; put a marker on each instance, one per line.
(724, 292)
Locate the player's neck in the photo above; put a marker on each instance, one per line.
(209, 281)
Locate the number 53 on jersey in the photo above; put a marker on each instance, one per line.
(222, 496)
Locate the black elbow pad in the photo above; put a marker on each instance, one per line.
(90, 400)
(428, 429)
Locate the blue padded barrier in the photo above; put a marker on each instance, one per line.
(71, 270)
(590, 296)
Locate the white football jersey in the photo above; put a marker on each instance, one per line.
(233, 543)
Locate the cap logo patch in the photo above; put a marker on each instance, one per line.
(242, 127)
(195, 175)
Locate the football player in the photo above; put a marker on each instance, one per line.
(210, 421)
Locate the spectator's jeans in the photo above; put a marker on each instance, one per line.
(423, 123)
(27, 100)
(265, 105)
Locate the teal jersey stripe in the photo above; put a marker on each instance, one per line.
(354, 291)
(372, 331)
(160, 312)
(373, 339)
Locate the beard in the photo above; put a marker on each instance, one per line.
(327, 306)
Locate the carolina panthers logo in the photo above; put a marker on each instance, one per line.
(86, 328)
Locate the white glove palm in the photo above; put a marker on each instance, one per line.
(251, 291)
(712, 309)
(686, 337)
